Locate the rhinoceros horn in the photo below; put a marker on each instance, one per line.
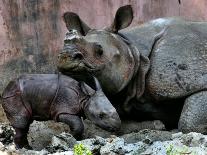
(86, 89)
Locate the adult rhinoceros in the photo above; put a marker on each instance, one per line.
(151, 70)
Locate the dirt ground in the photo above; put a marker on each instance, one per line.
(2, 115)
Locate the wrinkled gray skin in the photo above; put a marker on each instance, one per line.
(57, 97)
(163, 69)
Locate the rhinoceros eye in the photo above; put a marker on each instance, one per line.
(98, 50)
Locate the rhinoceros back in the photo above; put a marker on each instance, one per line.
(143, 36)
(38, 90)
(179, 61)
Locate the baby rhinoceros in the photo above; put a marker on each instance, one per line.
(55, 97)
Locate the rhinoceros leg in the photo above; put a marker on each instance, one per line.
(20, 138)
(19, 118)
(194, 116)
(75, 123)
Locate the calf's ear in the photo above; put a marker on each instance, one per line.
(98, 86)
(123, 18)
(86, 89)
(73, 21)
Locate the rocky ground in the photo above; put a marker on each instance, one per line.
(145, 142)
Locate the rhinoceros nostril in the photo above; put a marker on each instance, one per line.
(77, 55)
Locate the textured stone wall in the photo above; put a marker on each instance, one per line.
(32, 31)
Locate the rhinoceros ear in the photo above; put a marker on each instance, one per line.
(123, 18)
(98, 86)
(73, 21)
(86, 89)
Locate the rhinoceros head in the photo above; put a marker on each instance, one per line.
(99, 109)
(100, 52)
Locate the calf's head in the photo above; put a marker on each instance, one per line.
(99, 110)
(100, 52)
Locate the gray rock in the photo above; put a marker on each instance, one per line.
(119, 147)
(134, 126)
(63, 153)
(6, 134)
(41, 133)
(91, 130)
(94, 144)
(114, 146)
(192, 139)
(147, 136)
(157, 148)
(145, 142)
(32, 152)
(62, 142)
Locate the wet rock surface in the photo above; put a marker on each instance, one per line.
(144, 142)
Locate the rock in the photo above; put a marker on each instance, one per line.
(173, 148)
(63, 153)
(147, 136)
(91, 130)
(192, 139)
(62, 142)
(94, 144)
(7, 146)
(134, 126)
(157, 148)
(119, 147)
(6, 134)
(4, 153)
(11, 147)
(144, 142)
(3, 117)
(2, 146)
(32, 152)
(41, 133)
(114, 146)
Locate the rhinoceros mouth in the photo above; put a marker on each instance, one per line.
(80, 66)
(87, 68)
(92, 68)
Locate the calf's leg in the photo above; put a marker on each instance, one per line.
(20, 138)
(194, 117)
(19, 118)
(75, 123)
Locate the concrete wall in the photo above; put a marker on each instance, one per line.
(32, 31)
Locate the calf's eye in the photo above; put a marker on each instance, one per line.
(98, 50)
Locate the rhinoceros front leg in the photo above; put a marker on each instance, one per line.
(20, 138)
(194, 116)
(75, 123)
